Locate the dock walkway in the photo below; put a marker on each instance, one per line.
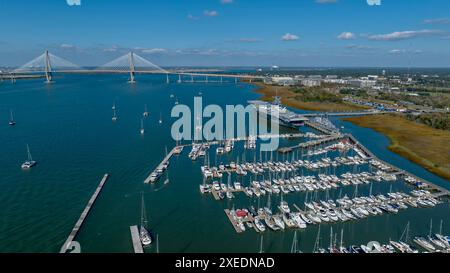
(83, 216)
(163, 163)
(137, 246)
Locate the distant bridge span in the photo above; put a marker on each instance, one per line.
(130, 63)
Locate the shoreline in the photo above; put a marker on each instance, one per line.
(404, 139)
(288, 98)
(416, 142)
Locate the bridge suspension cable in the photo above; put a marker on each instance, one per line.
(132, 61)
(47, 63)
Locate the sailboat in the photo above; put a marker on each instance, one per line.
(114, 106)
(11, 121)
(144, 235)
(145, 114)
(30, 162)
(114, 118)
(142, 127)
(160, 118)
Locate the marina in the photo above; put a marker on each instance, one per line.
(126, 153)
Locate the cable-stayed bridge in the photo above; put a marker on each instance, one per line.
(130, 63)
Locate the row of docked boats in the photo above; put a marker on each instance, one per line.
(293, 184)
(430, 244)
(227, 147)
(330, 211)
(380, 165)
(198, 150)
(158, 173)
(287, 166)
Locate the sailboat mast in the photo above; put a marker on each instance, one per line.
(331, 239)
(294, 243)
(143, 214)
(431, 225)
(157, 243)
(29, 154)
(261, 245)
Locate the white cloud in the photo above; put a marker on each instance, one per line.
(441, 21)
(192, 17)
(67, 46)
(403, 51)
(403, 35)
(397, 51)
(289, 37)
(326, 1)
(346, 36)
(359, 47)
(226, 1)
(250, 40)
(73, 2)
(210, 13)
(154, 50)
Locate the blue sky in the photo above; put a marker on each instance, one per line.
(230, 32)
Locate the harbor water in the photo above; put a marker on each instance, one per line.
(69, 130)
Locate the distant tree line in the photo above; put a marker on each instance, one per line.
(317, 94)
(436, 120)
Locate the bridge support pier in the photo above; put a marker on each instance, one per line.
(179, 78)
(167, 78)
(132, 69)
(48, 68)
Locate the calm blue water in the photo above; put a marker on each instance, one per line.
(68, 127)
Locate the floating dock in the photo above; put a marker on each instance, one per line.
(175, 150)
(137, 246)
(83, 216)
(311, 143)
(233, 221)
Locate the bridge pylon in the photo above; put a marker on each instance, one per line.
(132, 68)
(48, 68)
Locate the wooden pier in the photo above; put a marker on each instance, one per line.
(319, 128)
(137, 246)
(311, 143)
(83, 216)
(164, 162)
(233, 221)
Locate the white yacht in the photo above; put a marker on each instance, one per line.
(146, 113)
(284, 207)
(12, 122)
(142, 127)
(30, 162)
(114, 118)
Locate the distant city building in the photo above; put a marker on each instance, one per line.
(285, 81)
(311, 82)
